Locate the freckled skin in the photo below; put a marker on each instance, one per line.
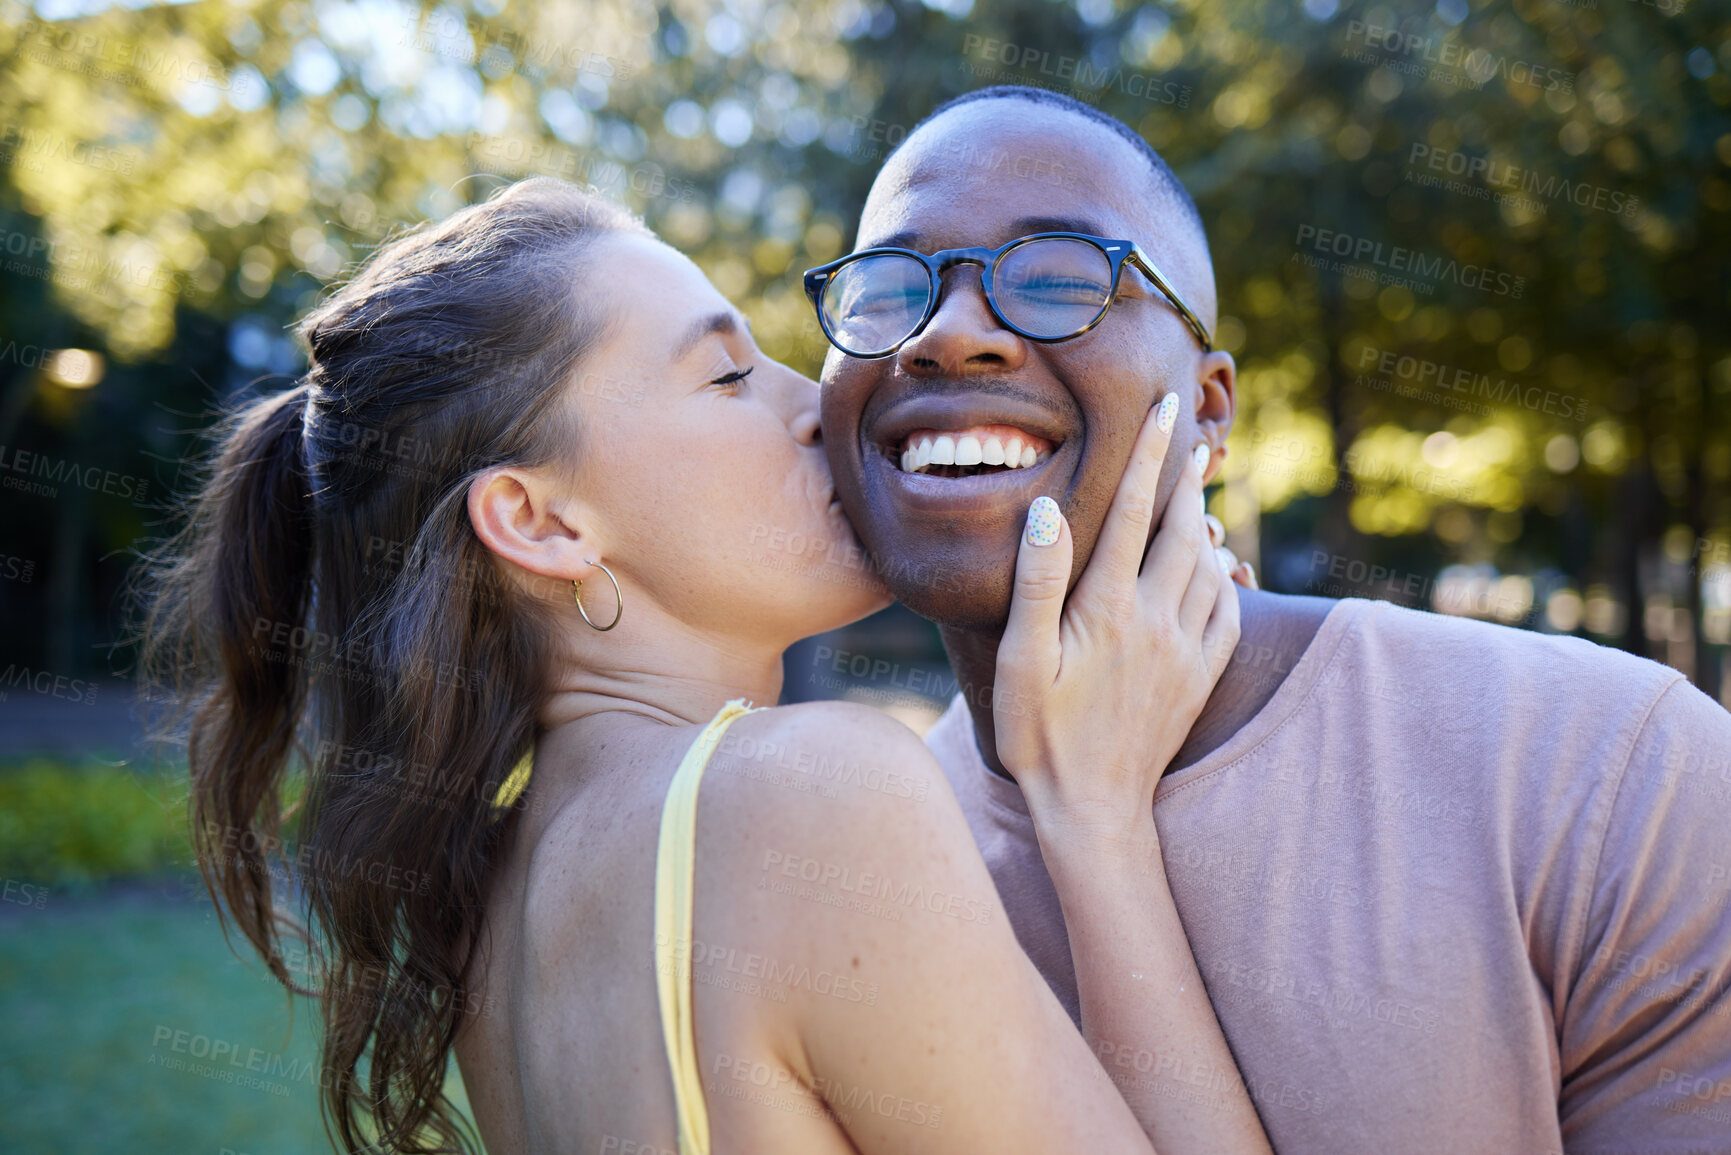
(953, 561)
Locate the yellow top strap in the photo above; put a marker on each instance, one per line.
(514, 784)
(675, 860)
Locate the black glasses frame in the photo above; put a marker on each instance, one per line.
(1118, 252)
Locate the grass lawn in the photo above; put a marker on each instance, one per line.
(126, 1022)
(92, 992)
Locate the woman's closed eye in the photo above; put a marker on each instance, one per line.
(731, 381)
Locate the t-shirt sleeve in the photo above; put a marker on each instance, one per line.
(1645, 1036)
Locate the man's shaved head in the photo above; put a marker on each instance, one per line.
(1166, 187)
(988, 130)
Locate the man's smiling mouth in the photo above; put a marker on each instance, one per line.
(970, 451)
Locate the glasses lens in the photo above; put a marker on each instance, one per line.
(873, 304)
(1054, 287)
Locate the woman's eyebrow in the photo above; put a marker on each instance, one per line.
(724, 323)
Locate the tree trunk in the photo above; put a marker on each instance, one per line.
(1635, 505)
(1707, 669)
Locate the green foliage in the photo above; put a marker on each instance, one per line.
(219, 164)
(82, 824)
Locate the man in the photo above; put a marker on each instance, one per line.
(1451, 886)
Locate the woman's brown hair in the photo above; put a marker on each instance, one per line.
(327, 605)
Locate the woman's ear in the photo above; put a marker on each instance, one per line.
(524, 519)
(1217, 396)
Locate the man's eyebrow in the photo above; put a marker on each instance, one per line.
(901, 240)
(1027, 225)
(908, 239)
(724, 323)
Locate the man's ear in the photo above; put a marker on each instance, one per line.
(1217, 398)
(522, 517)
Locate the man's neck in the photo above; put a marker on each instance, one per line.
(1275, 630)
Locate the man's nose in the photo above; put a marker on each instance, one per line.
(963, 336)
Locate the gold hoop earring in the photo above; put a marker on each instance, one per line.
(577, 594)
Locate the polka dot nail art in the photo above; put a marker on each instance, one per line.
(1043, 521)
(1168, 413)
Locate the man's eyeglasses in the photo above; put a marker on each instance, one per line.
(1045, 287)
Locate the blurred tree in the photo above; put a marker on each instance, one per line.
(1473, 261)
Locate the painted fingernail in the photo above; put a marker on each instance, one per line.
(1043, 521)
(1167, 415)
(1202, 456)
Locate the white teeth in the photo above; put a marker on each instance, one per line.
(917, 455)
(966, 449)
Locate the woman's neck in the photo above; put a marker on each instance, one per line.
(663, 670)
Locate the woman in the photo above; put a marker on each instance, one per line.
(518, 506)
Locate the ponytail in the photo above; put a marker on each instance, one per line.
(242, 566)
(328, 606)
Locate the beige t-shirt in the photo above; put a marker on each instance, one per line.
(1455, 888)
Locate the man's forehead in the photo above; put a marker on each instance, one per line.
(998, 174)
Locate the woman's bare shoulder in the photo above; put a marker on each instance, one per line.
(817, 812)
(805, 755)
(831, 722)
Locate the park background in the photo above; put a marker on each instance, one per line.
(1474, 262)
